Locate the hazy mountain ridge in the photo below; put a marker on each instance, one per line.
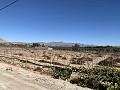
(48, 44)
(64, 44)
(2, 40)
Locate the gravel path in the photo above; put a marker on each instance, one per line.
(9, 83)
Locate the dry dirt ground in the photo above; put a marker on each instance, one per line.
(15, 78)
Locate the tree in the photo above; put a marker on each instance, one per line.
(43, 45)
(76, 47)
(35, 45)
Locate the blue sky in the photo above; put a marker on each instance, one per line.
(83, 21)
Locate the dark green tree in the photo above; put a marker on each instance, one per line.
(76, 47)
(35, 45)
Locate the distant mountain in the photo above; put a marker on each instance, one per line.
(63, 44)
(2, 40)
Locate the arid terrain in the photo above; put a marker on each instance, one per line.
(13, 77)
(59, 44)
(33, 68)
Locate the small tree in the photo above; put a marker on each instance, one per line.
(35, 45)
(76, 47)
(43, 45)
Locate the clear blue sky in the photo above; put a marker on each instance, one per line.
(85, 21)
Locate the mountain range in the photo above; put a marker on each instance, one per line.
(64, 44)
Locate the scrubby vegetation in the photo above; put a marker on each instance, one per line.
(94, 68)
(98, 79)
(110, 62)
(80, 61)
(76, 47)
(63, 73)
(101, 79)
(38, 69)
(55, 63)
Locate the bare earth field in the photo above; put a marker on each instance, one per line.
(20, 79)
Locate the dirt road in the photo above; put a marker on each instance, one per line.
(20, 79)
(8, 83)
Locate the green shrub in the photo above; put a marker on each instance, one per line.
(78, 61)
(102, 79)
(38, 69)
(89, 82)
(63, 73)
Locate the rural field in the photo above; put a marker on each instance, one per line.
(36, 67)
(60, 45)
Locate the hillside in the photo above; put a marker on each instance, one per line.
(2, 40)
